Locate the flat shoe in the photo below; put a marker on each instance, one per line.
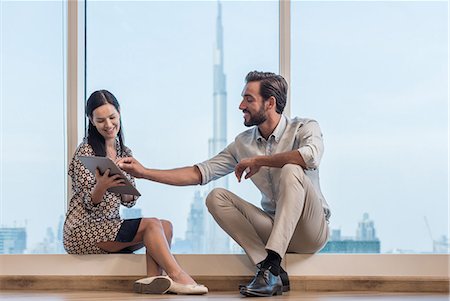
(152, 285)
(188, 289)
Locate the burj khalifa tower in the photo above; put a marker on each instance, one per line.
(217, 240)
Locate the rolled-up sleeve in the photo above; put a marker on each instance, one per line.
(83, 182)
(130, 178)
(218, 166)
(311, 144)
(135, 197)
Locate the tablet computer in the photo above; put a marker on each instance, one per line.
(104, 163)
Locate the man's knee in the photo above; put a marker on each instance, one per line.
(215, 199)
(291, 172)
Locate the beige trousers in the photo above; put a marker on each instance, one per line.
(299, 224)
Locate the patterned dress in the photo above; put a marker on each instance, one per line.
(86, 223)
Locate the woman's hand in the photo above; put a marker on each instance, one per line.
(131, 166)
(104, 182)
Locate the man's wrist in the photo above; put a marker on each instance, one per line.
(144, 174)
(261, 160)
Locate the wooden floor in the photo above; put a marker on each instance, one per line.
(216, 296)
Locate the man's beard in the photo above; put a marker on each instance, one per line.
(256, 119)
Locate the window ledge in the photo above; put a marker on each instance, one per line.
(319, 272)
(420, 265)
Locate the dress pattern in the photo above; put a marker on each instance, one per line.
(87, 224)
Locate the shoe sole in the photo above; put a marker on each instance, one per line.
(180, 289)
(286, 288)
(256, 294)
(157, 286)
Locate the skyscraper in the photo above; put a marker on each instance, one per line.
(364, 242)
(219, 139)
(195, 240)
(195, 232)
(217, 240)
(13, 240)
(366, 229)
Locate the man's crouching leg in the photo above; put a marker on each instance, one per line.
(247, 224)
(250, 227)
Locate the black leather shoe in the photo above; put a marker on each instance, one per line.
(284, 280)
(264, 284)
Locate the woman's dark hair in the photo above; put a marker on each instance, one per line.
(95, 139)
(271, 85)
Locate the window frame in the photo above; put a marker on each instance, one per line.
(75, 85)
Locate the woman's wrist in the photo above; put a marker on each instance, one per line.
(97, 194)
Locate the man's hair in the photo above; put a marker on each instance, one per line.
(271, 84)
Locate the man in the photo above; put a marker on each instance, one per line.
(281, 156)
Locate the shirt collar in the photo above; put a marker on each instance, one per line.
(277, 132)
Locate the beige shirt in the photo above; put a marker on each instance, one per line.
(299, 134)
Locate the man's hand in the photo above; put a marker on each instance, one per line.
(131, 166)
(250, 166)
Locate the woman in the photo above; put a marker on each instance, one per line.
(93, 224)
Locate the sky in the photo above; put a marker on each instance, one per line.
(373, 74)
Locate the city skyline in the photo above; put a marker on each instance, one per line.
(364, 239)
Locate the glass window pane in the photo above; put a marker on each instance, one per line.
(375, 76)
(32, 126)
(159, 59)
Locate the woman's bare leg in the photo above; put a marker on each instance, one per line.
(153, 268)
(152, 233)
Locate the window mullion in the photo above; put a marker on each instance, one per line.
(285, 46)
